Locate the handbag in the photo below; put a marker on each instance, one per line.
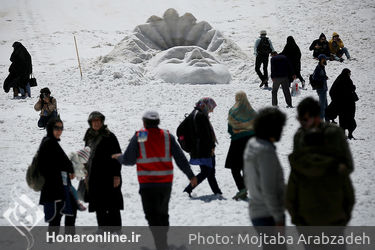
(32, 81)
(355, 96)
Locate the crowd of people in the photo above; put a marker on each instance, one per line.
(319, 190)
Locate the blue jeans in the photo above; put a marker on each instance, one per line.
(340, 53)
(43, 120)
(28, 90)
(322, 93)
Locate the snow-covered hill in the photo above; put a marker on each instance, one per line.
(124, 91)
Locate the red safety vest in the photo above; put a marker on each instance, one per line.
(154, 164)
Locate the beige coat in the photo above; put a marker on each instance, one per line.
(49, 108)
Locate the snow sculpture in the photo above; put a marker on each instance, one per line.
(181, 50)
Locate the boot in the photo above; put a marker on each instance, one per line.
(242, 194)
(15, 92)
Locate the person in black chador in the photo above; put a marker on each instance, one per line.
(343, 101)
(320, 46)
(57, 170)
(19, 71)
(293, 53)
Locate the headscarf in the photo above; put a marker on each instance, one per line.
(206, 104)
(51, 125)
(241, 115)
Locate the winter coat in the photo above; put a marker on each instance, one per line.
(319, 191)
(205, 136)
(341, 93)
(257, 42)
(20, 69)
(264, 179)
(102, 169)
(52, 160)
(44, 108)
(281, 67)
(324, 47)
(320, 76)
(293, 53)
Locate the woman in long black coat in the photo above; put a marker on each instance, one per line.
(343, 99)
(19, 70)
(293, 53)
(104, 173)
(54, 166)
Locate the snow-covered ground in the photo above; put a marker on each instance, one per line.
(124, 91)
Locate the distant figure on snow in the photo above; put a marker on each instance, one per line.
(47, 106)
(293, 53)
(281, 74)
(241, 129)
(337, 49)
(262, 48)
(343, 98)
(320, 76)
(19, 72)
(320, 46)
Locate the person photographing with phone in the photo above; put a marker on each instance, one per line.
(47, 106)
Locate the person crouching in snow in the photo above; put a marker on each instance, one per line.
(47, 106)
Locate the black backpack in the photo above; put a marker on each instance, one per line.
(186, 132)
(264, 46)
(33, 177)
(314, 83)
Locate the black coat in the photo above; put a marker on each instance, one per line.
(343, 102)
(205, 136)
(20, 69)
(102, 170)
(52, 160)
(324, 47)
(293, 53)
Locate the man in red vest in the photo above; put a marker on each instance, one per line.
(152, 150)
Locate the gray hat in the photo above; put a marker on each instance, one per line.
(96, 115)
(263, 32)
(151, 115)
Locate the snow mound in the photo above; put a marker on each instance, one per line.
(178, 36)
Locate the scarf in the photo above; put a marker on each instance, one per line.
(241, 115)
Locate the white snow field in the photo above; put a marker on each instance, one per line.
(122, 91)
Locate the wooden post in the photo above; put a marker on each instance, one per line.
(79, 63)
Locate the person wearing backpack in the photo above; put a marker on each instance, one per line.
(319, 190)
(47, 106)
(57, 170)
(203, 150)
(262, 48)
(240, 127)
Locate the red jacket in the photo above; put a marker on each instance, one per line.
(154, 164)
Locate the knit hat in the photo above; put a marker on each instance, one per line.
(96, 115)
(322, 56)
(335, 34)
(84, 154)
(263, 32)
(151, 115)
(45, 90)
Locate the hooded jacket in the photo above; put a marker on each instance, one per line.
(335, 46)
(324, 49)
(319, 191)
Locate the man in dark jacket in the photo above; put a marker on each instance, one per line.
(104, 173)
(319, 191)
(19, 71)
(203, 154)
(320, 77)
(320, 46)
(281, 73)
(152, 150)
